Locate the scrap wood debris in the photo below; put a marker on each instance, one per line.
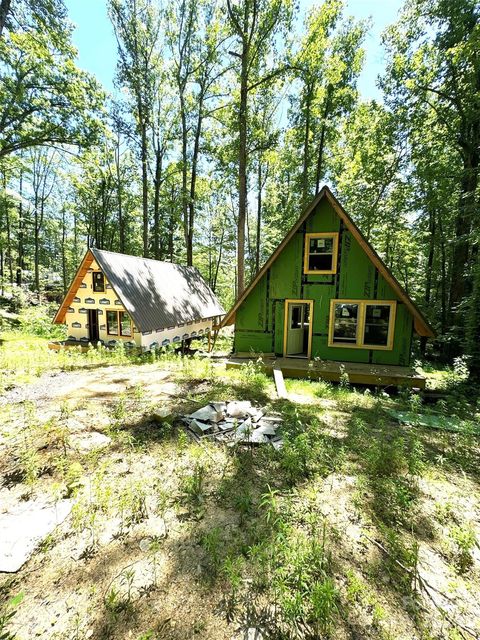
(236, 422)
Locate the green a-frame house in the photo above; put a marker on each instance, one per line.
(325, 293)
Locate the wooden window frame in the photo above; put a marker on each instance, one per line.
(309, 236)
(362, 309)
(93, 281)
(285, 326)
(119, 333)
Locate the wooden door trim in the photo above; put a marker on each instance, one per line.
(310, 326)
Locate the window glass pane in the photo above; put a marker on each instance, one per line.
(295, 317)
(377, 320)
(320, 262)
(125, 324)
(321, 245)
(345, 322)
(98, 281)
(112, 323)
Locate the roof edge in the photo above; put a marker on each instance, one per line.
(68, 297)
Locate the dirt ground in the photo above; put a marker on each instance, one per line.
(134, 560)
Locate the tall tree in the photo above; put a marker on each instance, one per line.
(254, 24)
(137, 29)
(44, 97)
(434, 61)
(328, 63)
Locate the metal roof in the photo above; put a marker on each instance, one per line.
(158, 294)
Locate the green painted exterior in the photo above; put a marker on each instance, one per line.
(259, 323)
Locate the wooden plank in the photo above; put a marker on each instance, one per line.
(279, 382)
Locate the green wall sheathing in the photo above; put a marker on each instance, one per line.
(286, 271)
(279, 325)
(252, 314)
(260, 318)
(248, 341)
(357, 273)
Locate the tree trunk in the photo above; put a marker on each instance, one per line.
(144, 188)
(259, 217)
(156, 201)
(193, 180)
(64, 255)
(183, 119)
(242, 173)
(321, 146)
(9, 243)
(432, 224)
(219, 260)
(4, 11)
(443, 264)
(306, 146)
(121, 224)
(20, 250)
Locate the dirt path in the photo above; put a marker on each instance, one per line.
(95, 383)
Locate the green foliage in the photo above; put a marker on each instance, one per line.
(464, 540)
(192, 485)
(7, 612)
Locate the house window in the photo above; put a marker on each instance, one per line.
(321, 251)
(112, 323)
(377, 324)
(367, 324)
(125, 324)
(119, 323)
(345, 325)
(98, 281)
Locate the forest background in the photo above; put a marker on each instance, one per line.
(225, 120)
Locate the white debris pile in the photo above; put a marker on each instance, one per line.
(235, 422)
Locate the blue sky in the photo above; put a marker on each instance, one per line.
(95, 41)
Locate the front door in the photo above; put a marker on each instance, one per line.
(93, 334)
(297, 328)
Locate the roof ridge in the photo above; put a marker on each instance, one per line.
(129, 255)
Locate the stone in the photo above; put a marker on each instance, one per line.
(86, 442)
(224, 425)
(25, 526)
(243, 430)
(207, 414)
(257, 437)
(163, 414)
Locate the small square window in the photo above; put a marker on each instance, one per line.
(98, 281)
(321, 253)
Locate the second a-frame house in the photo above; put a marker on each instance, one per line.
(117, 298)
(325, 293)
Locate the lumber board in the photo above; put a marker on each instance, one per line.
(279, 382)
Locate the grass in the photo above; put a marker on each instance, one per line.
(330, 537)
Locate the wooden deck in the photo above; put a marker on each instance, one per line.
(358, 373)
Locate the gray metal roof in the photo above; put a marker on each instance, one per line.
(158, 294)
